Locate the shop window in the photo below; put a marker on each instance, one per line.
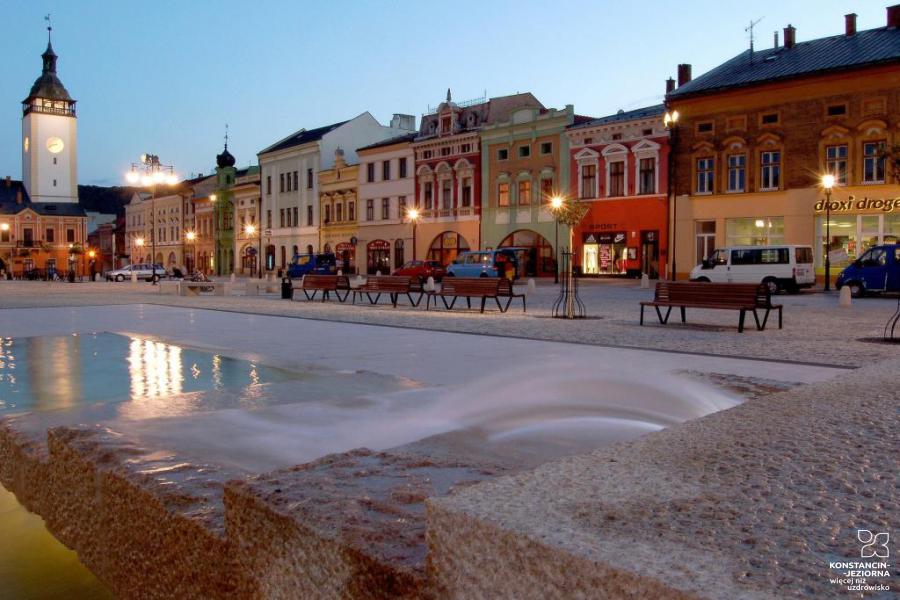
(588, 181)
(770, 171)
(836, 163)
(737, 172)
(616, 179)
(705, 175)
(873, 162)
(648, 176)
(892, 229)
(524, 198)
(764, 231)
(706, 239)
(503, 194)
(843, 246)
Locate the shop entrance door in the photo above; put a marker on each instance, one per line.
(650, 253)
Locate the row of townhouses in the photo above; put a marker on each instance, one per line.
(732, 157)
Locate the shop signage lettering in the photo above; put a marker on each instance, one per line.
(852, 204)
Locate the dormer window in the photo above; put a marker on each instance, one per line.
(445, 124)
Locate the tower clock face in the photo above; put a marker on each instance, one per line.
(26, 143)
(55, 145)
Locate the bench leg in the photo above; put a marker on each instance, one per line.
(663, 320)
(375, 301)
(308, 297)
(469, 303)
(683, 320)
(764, 321)
(394, 298)
(779, 317)
(756, 318)
(524, 307)
(324, 295)
(338, 294)
(483, 300)
(741, 321)
(415, 302)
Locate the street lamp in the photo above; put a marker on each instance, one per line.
(670, 120)
(249, 230)
(556, 203)
(150, 172)
(191, 236)
(413, 215)
(827, 184)
(4, 227)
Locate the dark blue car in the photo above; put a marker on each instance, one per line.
(317, 264)
(876, 271)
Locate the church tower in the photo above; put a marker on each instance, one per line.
(49, 137)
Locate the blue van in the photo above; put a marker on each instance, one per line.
(877, 270)
(485, 263)
(317, 264)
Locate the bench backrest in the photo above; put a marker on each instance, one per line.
(326, 282)
(392, 283)
(475, 286)
(692, 292)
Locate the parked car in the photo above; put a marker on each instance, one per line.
(423, 269)
(786, 268)
(485, 263)
(143, 271)
(876, 271)
(317, 264)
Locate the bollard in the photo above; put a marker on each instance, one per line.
(429, 284)
(340, 272)
(846, 298)
(532, 286)
(645, 281)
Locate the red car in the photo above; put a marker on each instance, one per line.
(423, 269)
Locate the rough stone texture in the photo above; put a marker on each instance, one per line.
(751, 503)
(349, 525)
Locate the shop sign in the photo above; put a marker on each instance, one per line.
(379, 245)
(853, 204)
(343, 247)
(590, 238)
(604, 238)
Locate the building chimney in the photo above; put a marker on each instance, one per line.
(790, 36)
(670, 85)
(776, 40)
(893, 16)
(684, 74)
(850, 24)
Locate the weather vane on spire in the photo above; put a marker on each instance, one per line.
(226, 136)
(49, 26)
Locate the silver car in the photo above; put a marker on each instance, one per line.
(142, 271)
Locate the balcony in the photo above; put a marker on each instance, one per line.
(49, 110)
(29, 243)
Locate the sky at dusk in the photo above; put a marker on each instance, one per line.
(165, 77)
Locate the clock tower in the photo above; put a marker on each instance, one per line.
(49, 138)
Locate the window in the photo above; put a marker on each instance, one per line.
(705, 127)
(502, 154)
(617, 136)
(281, 218)
(873, 162)
(351, 211)
(70, 236)
(427, 154)
(54, 160)
(445, 151)
(646, 132)
(296, 181)
(309, 179)
(428, 196)
(764, 231)
(385, 209)
(503, 194)
(370, 210)
(706, 239)
(288, 183)
(836, 110)
(647, 179)
(446, 194)
(588, 141)
(588, 181)
(616, 178)
(546, 148)
(466, 192)
(546, 190)
(281, 182)
(386, 170)
(769, 119)
(49, 239)
(705, 174)
(339, 213)
(370, 172)
(268, 185)
(524, 151)
(445, 124)
(4, 235)
(269, 218)
(770, 177)
(309, 216)
(296, 216)
(836, 163)
(54, 183)
(401, 206)
(465, 148)
(524, 192)
(737, 172)
(327, 213)
(402, 167)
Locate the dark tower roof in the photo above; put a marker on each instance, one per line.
(48, 84)
(225, 159)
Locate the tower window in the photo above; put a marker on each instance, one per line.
(54, 183)
(54, 160)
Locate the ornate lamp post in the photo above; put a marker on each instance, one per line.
(670, 120)
(191, 236)
(556, 203)
(149, 173)
(4, 227)
(413, 216)
(249, 230)
(570, 214)
(827, 184)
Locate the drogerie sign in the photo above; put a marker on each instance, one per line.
(853, 204)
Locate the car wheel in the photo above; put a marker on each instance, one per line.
(772, 284)
(483, 275)
(856, 289)
(120, 278)
(702, 279)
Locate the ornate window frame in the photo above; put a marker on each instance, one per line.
(616, 153)
(645, 149)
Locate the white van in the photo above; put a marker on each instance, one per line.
(786, 268)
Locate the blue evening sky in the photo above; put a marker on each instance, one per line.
(164, 77)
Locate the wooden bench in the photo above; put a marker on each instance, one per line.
(742, 297)
(475, 287)
(193, 288)
(325, 284)
(393, 286)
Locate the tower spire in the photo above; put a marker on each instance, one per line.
(226, 136)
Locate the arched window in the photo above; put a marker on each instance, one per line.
(446, 246)
(535, 255)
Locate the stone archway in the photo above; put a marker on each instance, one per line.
(446, 246)
(536, 255)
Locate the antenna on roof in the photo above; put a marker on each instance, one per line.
(750, 31)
